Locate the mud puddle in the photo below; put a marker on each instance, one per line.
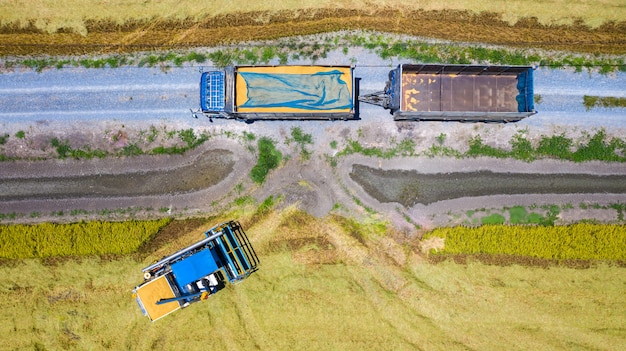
(410, 187)
(207, 170)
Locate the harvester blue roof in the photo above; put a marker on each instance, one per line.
(194, 267)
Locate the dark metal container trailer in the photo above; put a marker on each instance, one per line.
(482, 93)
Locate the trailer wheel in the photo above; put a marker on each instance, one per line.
(146, 275)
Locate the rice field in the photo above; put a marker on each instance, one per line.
(43, 240)
(581, 241)
(67, 27)
(324, 284)
(53, 15)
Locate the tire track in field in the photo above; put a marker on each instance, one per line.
(385, 277)
(249, 322)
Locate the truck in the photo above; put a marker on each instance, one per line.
(454, 92)
(286, 92)
(196, 272)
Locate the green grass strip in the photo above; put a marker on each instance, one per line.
(385, 46)
(582, 241)
(76, 239)
(269, 158)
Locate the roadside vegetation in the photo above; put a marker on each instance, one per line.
(544, 215)
(268, 158)
(590, 101)
(528, 215)
(115, 143)
(314, 48)
(596, 147)
(353, 283)
(300, 140)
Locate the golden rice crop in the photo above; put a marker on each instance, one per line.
(76, 239)
(363, 299)
(582, 241)
(52, 15)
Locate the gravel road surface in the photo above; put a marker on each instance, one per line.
(141, 94)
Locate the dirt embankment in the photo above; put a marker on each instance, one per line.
(135, 35)
(412, 187)
(202, 172)
(194, 182)
(211, 178)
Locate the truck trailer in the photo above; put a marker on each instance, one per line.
(441, 92)
(196, 272)
(280, 92)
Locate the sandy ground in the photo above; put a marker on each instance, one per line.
(210, 178)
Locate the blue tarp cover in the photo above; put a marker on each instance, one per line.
(318, 91)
